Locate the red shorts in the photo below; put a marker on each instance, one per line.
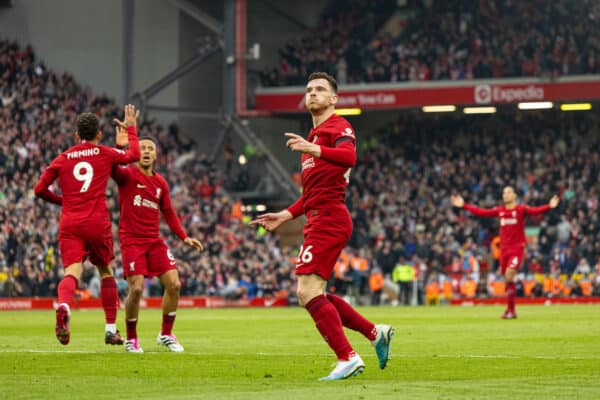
(511, 258)
(325, 236)
(150, 257)
(77, 244)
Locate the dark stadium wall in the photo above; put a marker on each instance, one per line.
(202, 88)
(85, 38)
(272, 24)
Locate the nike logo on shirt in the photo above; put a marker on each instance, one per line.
(140, 186)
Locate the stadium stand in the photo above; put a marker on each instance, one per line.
(422, 40)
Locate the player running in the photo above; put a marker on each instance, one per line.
(512, 236)
(327, 157)
(143, 196)
(85, 228)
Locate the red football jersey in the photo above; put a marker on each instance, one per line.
(83, 171)
(324, 179)
(141, 200)
(512, 222)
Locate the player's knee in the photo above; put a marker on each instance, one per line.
(173, 287)
(135, 291)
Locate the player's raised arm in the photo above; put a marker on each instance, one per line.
(42, 190)
(130, 124)
(554, 201)
(459, 202)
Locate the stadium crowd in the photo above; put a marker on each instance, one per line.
(400, 190)
(37, 119)
(398, 197)
(420, 40)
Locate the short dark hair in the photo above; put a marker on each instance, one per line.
(87, 126)
(148, 137)
(327, 77)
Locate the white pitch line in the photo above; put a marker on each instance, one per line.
(266, 354)
(11, 351)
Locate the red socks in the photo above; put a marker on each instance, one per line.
(66, 289)
(351, 318)
(167, 323)
(510, 289)
(110, 298)
(131, 328)
(329, 324)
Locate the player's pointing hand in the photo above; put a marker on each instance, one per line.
(272, 221)
(298, 143)
(554, 201)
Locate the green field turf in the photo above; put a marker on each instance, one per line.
(438, 353)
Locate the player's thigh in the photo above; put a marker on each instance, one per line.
(72, 248)
(101, 249)
(319, 253)
(160, 259)
(134, 260)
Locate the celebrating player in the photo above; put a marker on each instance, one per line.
(327, 157)
(143, 195)
(512, 236)
(85, 228)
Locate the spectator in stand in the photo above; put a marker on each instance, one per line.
(385, 41)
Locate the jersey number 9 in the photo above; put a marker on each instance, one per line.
(84, 172)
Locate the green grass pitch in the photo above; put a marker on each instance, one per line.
(438, 353)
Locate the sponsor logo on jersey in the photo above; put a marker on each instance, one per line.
(508, 221)
(138, 201)
(94, 151)
(308, 163)
(348, 132)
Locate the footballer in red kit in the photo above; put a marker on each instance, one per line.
(328, 154)
(143, 196)
(511, 217)
(85, 228)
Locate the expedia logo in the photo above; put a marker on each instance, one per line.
(486, 94)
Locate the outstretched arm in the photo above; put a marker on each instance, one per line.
(542, 209)
(272, 221)
(297, 209)
(458, 201)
